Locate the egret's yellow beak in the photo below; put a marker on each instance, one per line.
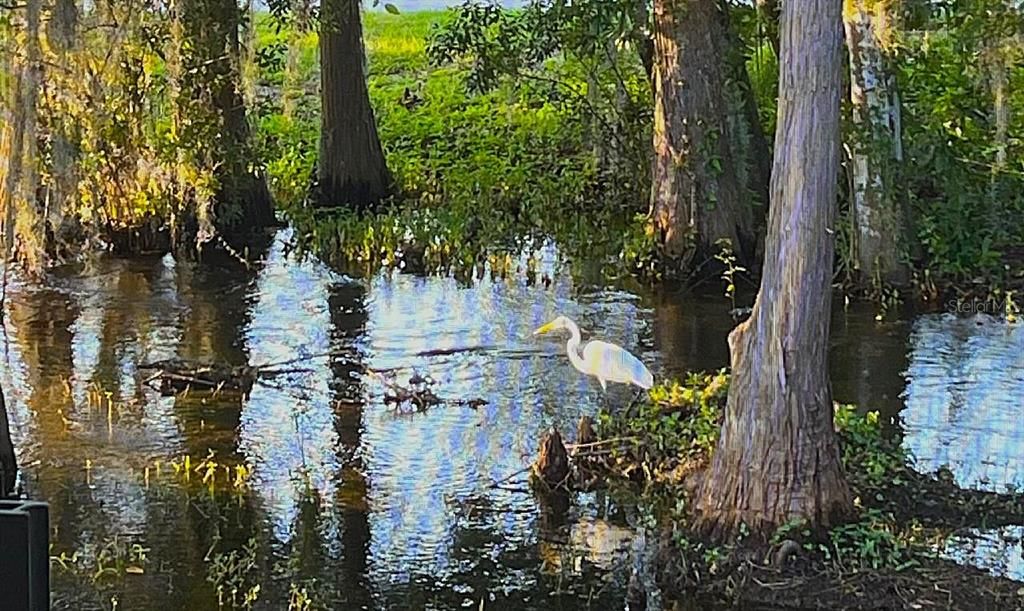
(544, 329)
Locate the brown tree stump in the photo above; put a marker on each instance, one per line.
(585, 431)
(552, 464)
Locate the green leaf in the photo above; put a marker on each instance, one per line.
(391, 8)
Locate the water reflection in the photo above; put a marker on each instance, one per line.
(1001, 550)
(362, 505)
(963, 406)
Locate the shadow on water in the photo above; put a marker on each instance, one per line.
(352, 503)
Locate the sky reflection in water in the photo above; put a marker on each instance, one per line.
(406, 513)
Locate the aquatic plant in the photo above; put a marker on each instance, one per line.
(233, 575)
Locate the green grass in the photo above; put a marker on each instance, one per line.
(476, 172)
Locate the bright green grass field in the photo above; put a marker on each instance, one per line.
(508, 163)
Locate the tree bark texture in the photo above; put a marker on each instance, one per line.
(351, 169)
(242, 201)
(778, 456)
(875, 147)
(62, 186)
(698, 192)
(995, 57)
(23, 231)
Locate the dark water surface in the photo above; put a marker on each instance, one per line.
(364, 506)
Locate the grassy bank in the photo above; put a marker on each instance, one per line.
(483, 176)
(889, 555)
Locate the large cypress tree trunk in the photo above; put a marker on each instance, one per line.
(293, 86)
(351, 169)
(876, 147)
(240, 186)
(778, 455)
(698, 195)
(211, 69)
(23, 228)
(63, 182)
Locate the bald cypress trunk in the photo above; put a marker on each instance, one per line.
(699, 193)
(210, 69)
(24, 231)
(63, 183)
(876, 146)
(351, 169)
(778, 456)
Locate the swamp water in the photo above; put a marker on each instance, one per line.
(317, 489)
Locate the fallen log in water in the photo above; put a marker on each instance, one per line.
(178, 376)
(418, 394)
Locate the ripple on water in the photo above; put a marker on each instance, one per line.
(963, 399)
(407, 512)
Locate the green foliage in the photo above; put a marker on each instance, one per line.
(872, 460)
(676, 426)
(110, 562)
(967, 213)
(234, 575)
(482, 176)
(873, 540)
(728, 259)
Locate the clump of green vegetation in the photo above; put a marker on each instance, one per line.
(673, 432)
(112, 562)
(102, 569)
(233, 574)
(903, 520)
(902, 515)
(209, 472)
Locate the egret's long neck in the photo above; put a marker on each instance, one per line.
(573, 347)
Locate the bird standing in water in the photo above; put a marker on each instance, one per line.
(606, 362)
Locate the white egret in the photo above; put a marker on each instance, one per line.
(606, 362)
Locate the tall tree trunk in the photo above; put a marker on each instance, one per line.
(240, 186)
(242, 202)
(351, 169)
(778, 457)
(876, 147)
(24, 235)
(63, 182)
(995, 57)
(697, 194)
(293, 87)
(768, 15)
(8, 460)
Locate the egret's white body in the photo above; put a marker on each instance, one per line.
(606, 362)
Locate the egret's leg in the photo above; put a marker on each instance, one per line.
(634, 402)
